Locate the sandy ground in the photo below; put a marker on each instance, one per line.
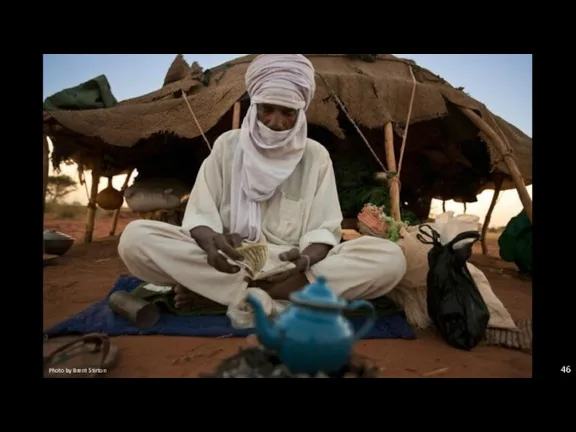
(87, 272)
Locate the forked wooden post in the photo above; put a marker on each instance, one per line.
(391, 163)
(497, 143)
(236, 116)
(117, 211)
(497, 187)
(91, 214)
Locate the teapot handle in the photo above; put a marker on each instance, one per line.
(370, 316)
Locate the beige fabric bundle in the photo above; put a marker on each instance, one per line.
(411, 292)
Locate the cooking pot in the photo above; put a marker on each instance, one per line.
(57, 243)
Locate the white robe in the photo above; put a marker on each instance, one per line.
(304, 210)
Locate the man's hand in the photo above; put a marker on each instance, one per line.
(212, 242)
(301, 264)
(302, 261)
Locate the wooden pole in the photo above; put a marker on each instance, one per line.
(391, 163)
(117, 211)
(497, 143)
(91, 214)
(236, 116)
(497, 187)
(45, 170)
(45, 166)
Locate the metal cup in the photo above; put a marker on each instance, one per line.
(139, 312)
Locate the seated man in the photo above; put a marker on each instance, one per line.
(265, 181)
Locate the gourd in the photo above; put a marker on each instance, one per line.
(110, 198)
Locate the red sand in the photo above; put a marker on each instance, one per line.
(86, 273)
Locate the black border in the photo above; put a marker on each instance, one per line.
(552, 308)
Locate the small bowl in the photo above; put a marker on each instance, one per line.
(57, 243)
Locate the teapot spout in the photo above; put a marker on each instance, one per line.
(267, 332)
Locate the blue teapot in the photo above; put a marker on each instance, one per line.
(312, 335)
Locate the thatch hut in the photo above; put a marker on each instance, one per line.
(388, 110)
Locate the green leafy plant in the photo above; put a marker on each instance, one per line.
(357, 187)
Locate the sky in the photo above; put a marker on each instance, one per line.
(503, 82)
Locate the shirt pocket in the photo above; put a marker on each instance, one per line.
(287, 223)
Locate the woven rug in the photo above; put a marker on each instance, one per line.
(519, 340)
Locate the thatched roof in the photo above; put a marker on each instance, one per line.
(373, 93)
(180, 77)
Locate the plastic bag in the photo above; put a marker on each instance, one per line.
(449, 226)
(454, 302)
(515, 243)
(459, 224)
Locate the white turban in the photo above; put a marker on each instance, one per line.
(265, 158)
(281, 79)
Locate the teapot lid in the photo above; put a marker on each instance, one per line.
(319, 295)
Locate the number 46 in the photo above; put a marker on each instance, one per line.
(566, 369)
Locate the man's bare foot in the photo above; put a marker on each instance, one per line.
(186, 299)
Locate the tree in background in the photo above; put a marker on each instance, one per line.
(60, 186)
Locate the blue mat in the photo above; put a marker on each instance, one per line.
(99, 318)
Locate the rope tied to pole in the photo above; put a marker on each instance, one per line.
(196, 120)
(390, 176)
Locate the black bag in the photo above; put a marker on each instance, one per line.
(455, 305)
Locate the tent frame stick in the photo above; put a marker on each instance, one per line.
(498, 145)
(497, 188)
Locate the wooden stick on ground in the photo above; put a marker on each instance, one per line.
(117, 211)
(497, 187)
(91, 214)
(499, 146)
(391, 162)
